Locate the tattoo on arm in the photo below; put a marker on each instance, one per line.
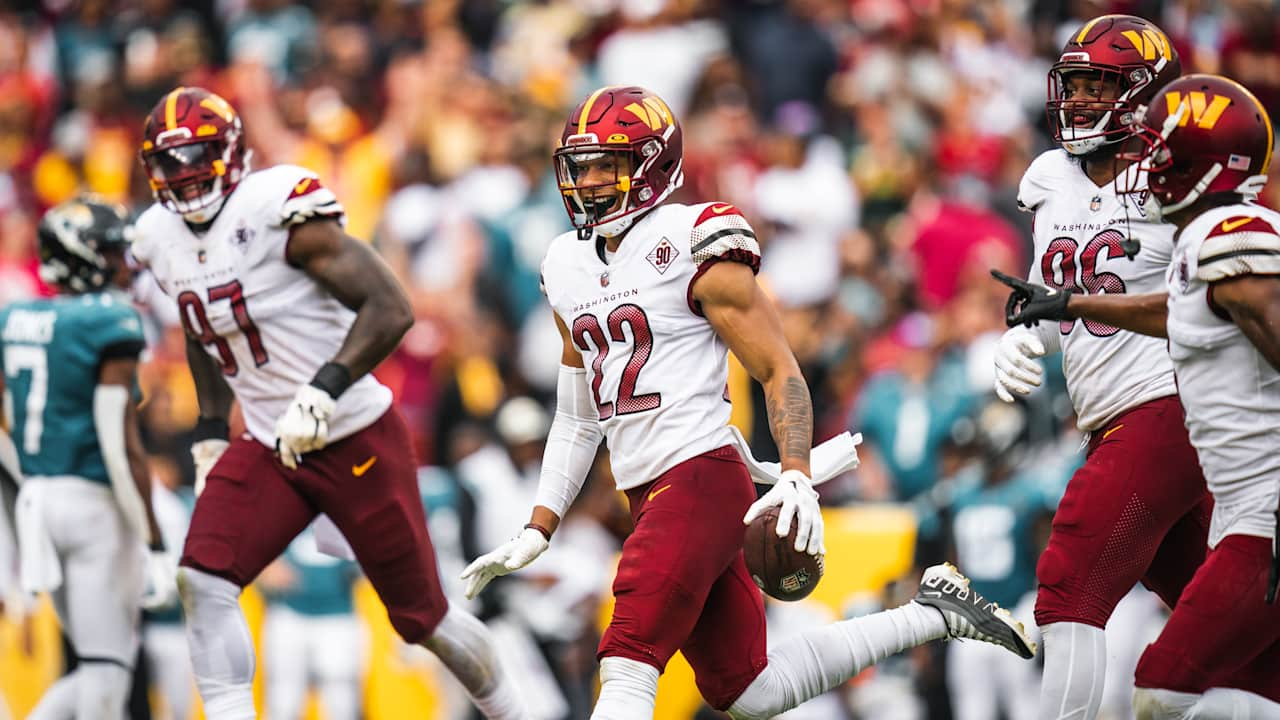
(791, 417)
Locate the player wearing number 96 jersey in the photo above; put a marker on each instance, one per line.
(288, 314)
(649, 298)
(1137, 510)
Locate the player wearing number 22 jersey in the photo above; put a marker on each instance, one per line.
(650, 297)
(1138, 509)
(288, 314)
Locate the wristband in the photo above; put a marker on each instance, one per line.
(332, 378)
(211, 428)
(535, 526)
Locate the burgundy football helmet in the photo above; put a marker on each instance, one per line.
(638, 128)
(1121, 50)
(1201, 135)
(193, 152)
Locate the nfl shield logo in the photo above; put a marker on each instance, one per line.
(1095, 203)
(604, 279)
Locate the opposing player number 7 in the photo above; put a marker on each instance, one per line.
(196, 323)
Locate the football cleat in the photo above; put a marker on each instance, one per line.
(968, 614)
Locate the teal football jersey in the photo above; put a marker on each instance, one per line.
(52, 350)
(322, 584)
(994, 533)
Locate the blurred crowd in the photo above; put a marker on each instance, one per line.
(875, 145)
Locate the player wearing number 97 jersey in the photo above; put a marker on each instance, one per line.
(650, 297)
(1138, 509)
(287, 313)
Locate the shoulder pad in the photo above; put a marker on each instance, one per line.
(722, 233)
(309, 199)
(1039, 181)
(1242, 244)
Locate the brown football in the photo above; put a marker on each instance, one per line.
(780, 571)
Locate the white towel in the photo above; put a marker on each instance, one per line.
(826, 460)
(40, 569)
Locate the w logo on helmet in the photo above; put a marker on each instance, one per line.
(1204, 112)
(652, 112)
(1150, 42)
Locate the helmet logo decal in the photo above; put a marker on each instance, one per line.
(219, 107)
(171, 108)
(1203, 112)
(1149, 43)
(653, 112)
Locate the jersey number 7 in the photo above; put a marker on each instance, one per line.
(587, 333)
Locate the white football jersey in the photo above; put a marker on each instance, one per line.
(657, 368)
(1230, 392)
(1078, 231)
(268, 324)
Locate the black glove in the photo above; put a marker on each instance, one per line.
(1030, 303)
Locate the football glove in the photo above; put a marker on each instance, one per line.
(796, 499)
(1017, 370)
(162, 581)
(304, 426)
(1029, 302)
(205, 454)
(512, 555)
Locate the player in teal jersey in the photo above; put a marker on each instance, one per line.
(999, 504)
(311, 632)
(84, 514)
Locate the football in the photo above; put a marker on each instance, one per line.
(780, 571)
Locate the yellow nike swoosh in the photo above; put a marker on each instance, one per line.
(720, 210)
(1228, 225)
(1107, 434)
(302, 185)
(658, 492)
(363, 467)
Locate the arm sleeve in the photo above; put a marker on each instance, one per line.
(571, 443)
(109, 403)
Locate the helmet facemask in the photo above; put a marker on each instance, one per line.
(607, 187)
(1107, 102)
(194, 179)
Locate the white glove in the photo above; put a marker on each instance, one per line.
(304, 426)
(509, 557)
(162, 581)
(798, 500)
(205, 455)
(1016, 368)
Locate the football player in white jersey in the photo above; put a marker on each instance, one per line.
(1207, 143)
(650, 297)
(287, 314)
(1137, 510)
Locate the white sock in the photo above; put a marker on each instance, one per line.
(818, 660)
(1075, 667)
(221, 646)
(628, 690)
(464, 645)
(1156, 704)
(1232, 704)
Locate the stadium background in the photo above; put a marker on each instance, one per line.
(875, 145)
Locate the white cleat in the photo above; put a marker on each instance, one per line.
(968, 614)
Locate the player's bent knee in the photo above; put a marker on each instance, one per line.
(766, 696)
